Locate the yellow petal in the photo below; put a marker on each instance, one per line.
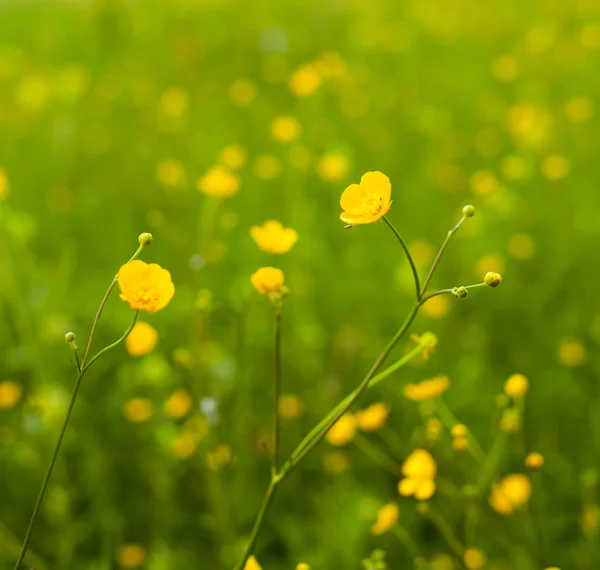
(407, 487)
(425, 490)
(352, 197)
(378, 183)
(357, 219)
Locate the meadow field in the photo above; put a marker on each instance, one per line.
(473, 441)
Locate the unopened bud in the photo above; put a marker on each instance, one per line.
(70, 337)
(468, 211)
(145, 238)
(492, 279)
(460, 292)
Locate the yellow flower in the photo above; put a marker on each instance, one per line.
(138, 410)
(197, 427)
(184, 446)
(267, 280)
(474, 559)
(141, 340)
(387, 517)
(428, 342)
(427, 389)
(146, 287)
(169, 173)
(368, 201)
(556, 167)
(272, 237)
(373, 417)
(534, 460)
(302, 566)
(4, 187)
(305, 80)
(460, 443)
(459, 430)
(131, 556)
(233, 156)
(178, 404)
(252, 564)
(174, 102)
(419, 472)
(219, 182)
(510, 494)
(516, 386)
(290, 406)
(10, 394)
(333, 167)
(220, 457)
(437, 307)
(571, 352)
(285, 129)
(242, 92)
(342, 432)
(335, 463)
(267, 167)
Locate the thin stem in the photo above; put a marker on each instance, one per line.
(446, 531)
(406, 540)
(439, 256)
(277, 394)
(408, 256)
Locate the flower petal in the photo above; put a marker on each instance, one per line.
(352, 198)
(378, 183)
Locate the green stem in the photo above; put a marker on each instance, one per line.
(446, 531)
(277, 395)
(408, 256)
(407, 541)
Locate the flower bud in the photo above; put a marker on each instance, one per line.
(70, 337)
(492, 279)
(468, 211)
(460, 292)
(145, 238)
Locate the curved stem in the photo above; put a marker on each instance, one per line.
(408, 256)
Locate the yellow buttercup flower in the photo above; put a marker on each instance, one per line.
(146, 287)
(333, 166)
(516, 386)
(419, 472)
(510, 494)
(342, 432)
(10, 394)
(252, 564)
(233, 156)
(373, 417)
(571, 352)
(387, 517)
(427, 389)
(305, 80)
(534, 460)
(178, 404)
(141, 340)
(272, 237)
(220, 457)
(184, 446)
(302, 566)
(368, 201)
(474, 559)
(267, 280)
(285, 129)
(131, 556)
(219, 182)
(138, 410)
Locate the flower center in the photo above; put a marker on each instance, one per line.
(371, 204)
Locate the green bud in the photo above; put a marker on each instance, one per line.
(460, 292)
(468, 211)
(492, 279)
(145, 239)
(70, 337)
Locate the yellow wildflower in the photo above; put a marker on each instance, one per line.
(242, 92)
(178, 404)
(141, 340)
(305, 80)
(387, 517)
(290, 406)
(131, 556)
(516, 386)
(219, 182)
(460, 443)
(368, 201)
(571, 352)
(335, 463)
(459, 430)
(427, 389)
(556, 167)
(372, 418)
(272, 237)
(10, 394)
(342, 432)
(267, 167)
(252, 564)
(437, 307)
(169, 173)
(474, 559)
(285, 129)
(511, 420)
(138, 410)
(302, 566)
(220, 457)
(506, 68)
(267, 280)
(184, 446)
(4, 187)
(233, 156)
(146, 287)
(534, 460)
(510, 494)
(419, 472)
(333, 167)
(427, 340)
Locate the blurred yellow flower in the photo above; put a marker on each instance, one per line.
(242, 92)
(335, 463)
(419, 472)
(422, 252)
(330, 64)
(184, 446)
(529, 125)
(459, 430)
(373, 417)
(141, 340)
(474, 559)
(427, 389)
(333, 167)
(510, 494)
(131, 556)
(302, 566)
(579, 109)
(441, 562)
(387, 517)
(433, 428)
(138, 410)
(506, 68)
(169, 173)
(252, 564)
(220, 457)
(460, 443)
(428, 342)
(514, 168)
(305, 80)
(489, 263)
(178, 404)
(590, 520)
(267, 167)
(10, 394)
(516, 386)
(556, 167)
(290, 406)
(4, 187)
(174, 102)
(571, 352)
(342, 432)
(437, 307)
(267, 280)
(146, 287)
(368, 201)
(272, 237)
(233, 156)
(285, 129)
(521, 246)
(219, 182)
(484, 183)
(534, 460)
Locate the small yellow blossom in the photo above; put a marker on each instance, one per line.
(267, 280)
(516, 386)
(146, 287)
(184, 446)
(534, 460)
(138, 410)
(510, 494)
(336, 463)
(272, 237)
(178, 404)
(460, 443)
(427, 340)
(556, 167)
(372, 418)
(521, 246)
(174, 102)
(220, 457)
(342, 432)
(484, 183)
(333, 167)
(267, 167)
(169, 173)
(433, 428)
(242, 92)
(459, 430)
(305, 80)
(302, 566)
(387, 517)
(197, 427)
(285, 129)
(474, 559)
(233, 156)
(368, 201)
(571, 352)
(419, 472)
(4, 187)
(131, 556)
(590, 520)
(422, 252)
(219, 182)
(141, 340)
(10, 394)
(437, 307)
(427, 389)
(579, 109)
(290, 406)
(252, 564)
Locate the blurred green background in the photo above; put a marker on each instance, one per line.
(111, 111)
